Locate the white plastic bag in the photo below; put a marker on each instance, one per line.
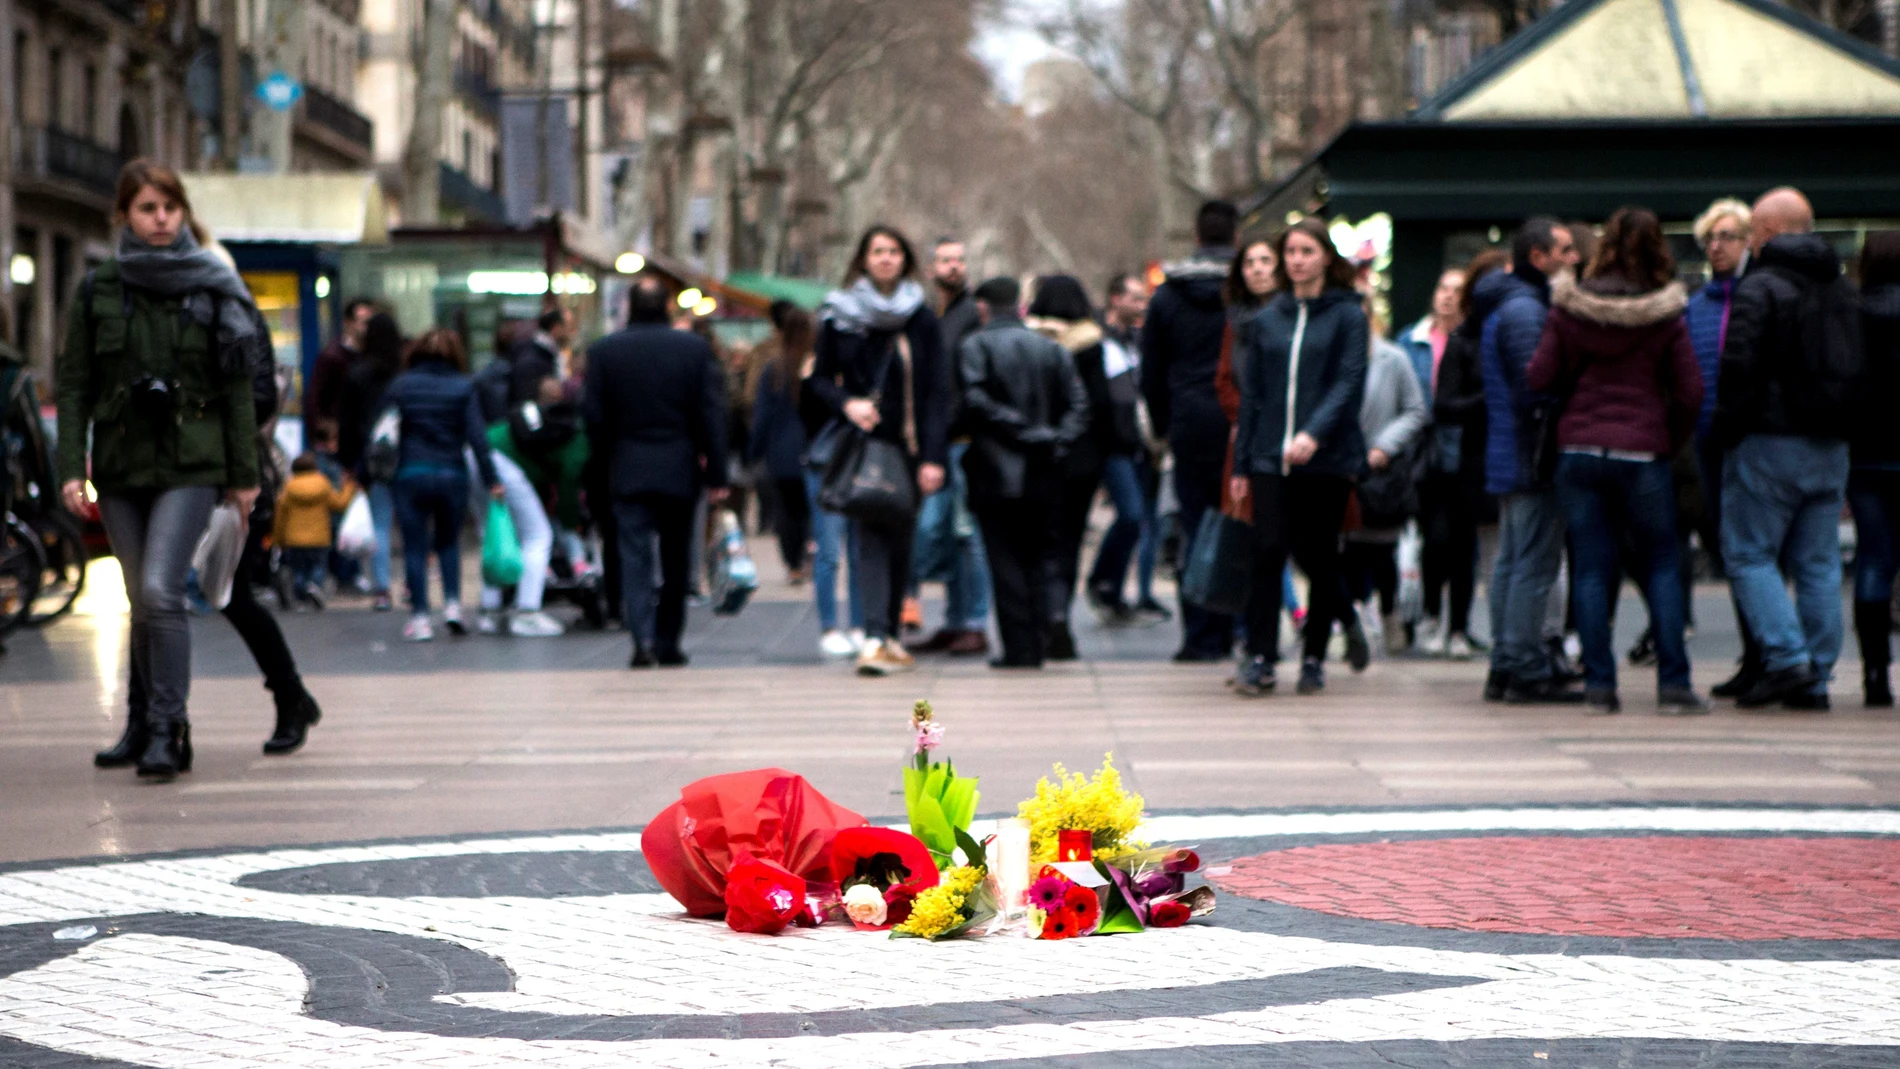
(356, 535)
(1410, 606)
(734, 575)
(216, 558)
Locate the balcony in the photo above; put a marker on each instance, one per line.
(479, 92)
(461, 194)
(46, 153)
(343, 123)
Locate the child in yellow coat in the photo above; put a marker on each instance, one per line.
(303, 529)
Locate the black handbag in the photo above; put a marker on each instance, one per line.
(824, 444)
(869, 478)
(1219, 575)
(1389, 497)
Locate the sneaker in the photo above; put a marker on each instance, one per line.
(382, 603)
(1358, 650)
(1551, 691)
(452, 619)
(912, 617)
(1255, 679)
(1151, 611)
(1108, 606)
(1312, 676)
(1772, 687)
(1643, 653)
(489, 623)
(1680, 701)
(1432, 640)
(836, 644)
(1459, 648)
(883, 657)
(856, 635)
(418, 629)
(314, 595)
(363, 585)
(535, 625)
(1601, 701)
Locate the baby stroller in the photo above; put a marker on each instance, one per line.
(575, 583)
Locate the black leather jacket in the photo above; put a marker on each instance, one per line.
(1023, 405)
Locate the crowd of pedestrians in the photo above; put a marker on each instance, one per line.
(1568, 406)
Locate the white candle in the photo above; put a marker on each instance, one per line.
(1009, 857)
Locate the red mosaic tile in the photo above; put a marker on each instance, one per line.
(1656, 886)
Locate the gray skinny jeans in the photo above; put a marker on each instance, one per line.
(153, 533)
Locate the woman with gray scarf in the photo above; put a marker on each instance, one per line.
(155, 367)
(880, 365)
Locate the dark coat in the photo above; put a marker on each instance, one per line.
(323, 398)
(847, 363)
(1876, 439)
(533, 361)
(440, 417)
(1640, 389)
(1023, 404)
(656, 411)
(1764, 357)
(1512, 310)
(778, 434)
(1082, 340)
(1326, 374)
(959, 320)
(1458, 404)
(1180, 352)
(363, 389)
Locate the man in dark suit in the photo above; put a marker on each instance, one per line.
(656, 409)
(1024, 406)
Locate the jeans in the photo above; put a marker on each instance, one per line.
(1874, 496)
(1604, 501)
(1530, 552)
(1197, 484)
(306, 566)
(1297, 515)
(947, 542)
(153, 533)
(382, 513)
(1781, 504)
(1133, 530)
(430, 504)
(531, 527)
(837, 539)
(642, 520)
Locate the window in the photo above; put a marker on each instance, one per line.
(55, 87)
(20, 57)
(89, 96)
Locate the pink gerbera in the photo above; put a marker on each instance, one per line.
(1047, 893)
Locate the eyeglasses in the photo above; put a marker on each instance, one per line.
(1726, 237)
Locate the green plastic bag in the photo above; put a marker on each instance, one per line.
(501, 548)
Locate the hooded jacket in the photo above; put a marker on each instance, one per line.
(1512, 309)
(1180, 351)
(1303, 370)
(1023, 405)
(1765, 356)
(1876, 442)
(304, 510)
(1640, 389)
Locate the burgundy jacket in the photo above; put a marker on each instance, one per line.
(1641, 388)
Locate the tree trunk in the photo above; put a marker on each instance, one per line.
(280, 50)
(422, 179)
(230, 92)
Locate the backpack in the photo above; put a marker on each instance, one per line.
(1832, 360)
(384, 453)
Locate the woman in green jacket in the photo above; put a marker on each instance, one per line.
(154, 367)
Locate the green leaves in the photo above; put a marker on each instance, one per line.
(941, 805)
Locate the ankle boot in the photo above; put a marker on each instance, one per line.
(130, 745)
(296, 711)
(1874, 688)
(168, 752)
(1872, 625)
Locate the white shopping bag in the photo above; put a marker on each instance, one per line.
(1411, 601)
(216, 558)
(356, 536)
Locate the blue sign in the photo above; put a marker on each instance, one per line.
(279, 91)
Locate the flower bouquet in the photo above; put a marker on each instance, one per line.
(1098, 804)
(960, 904)
(880, 871)
(939, 803)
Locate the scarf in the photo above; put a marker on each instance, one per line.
(861, 309)
(186, 269)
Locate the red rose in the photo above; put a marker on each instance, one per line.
(1058, 925)
(897, 902)
(762, 897)
(1081, 904)
(1168, 915)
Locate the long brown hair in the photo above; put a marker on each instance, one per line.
(857, 270)
(1339, 270)
(1880, 259)
(1487, 262)
(145, 171)
(1236, 291)
(1633, 249)
(442, 345)
(796, 335)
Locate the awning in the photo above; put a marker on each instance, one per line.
(330, 208)
(803, 292)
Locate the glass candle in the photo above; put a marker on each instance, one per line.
(1075, 844)
(1009, 858)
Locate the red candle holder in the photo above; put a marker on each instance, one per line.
(1075, 844)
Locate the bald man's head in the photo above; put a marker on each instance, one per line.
(1780, 211)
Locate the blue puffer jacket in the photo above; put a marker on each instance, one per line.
(1707, 316)
(1513, 310)
(1321, 347)
(441, 416)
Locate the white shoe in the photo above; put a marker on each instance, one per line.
(452, 619)
(858, 641)
(836, 645)
(489, 623)
(1458, 648)
(535, 624)
(418, 629)
(1431, 638)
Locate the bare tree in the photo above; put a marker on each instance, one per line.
(422, 179)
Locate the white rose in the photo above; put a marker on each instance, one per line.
(864, 903)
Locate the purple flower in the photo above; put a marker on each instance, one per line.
(929, 736)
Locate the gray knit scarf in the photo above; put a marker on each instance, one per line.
(186, 269)
(861, 309)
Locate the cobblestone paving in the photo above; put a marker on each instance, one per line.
(555, 950)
